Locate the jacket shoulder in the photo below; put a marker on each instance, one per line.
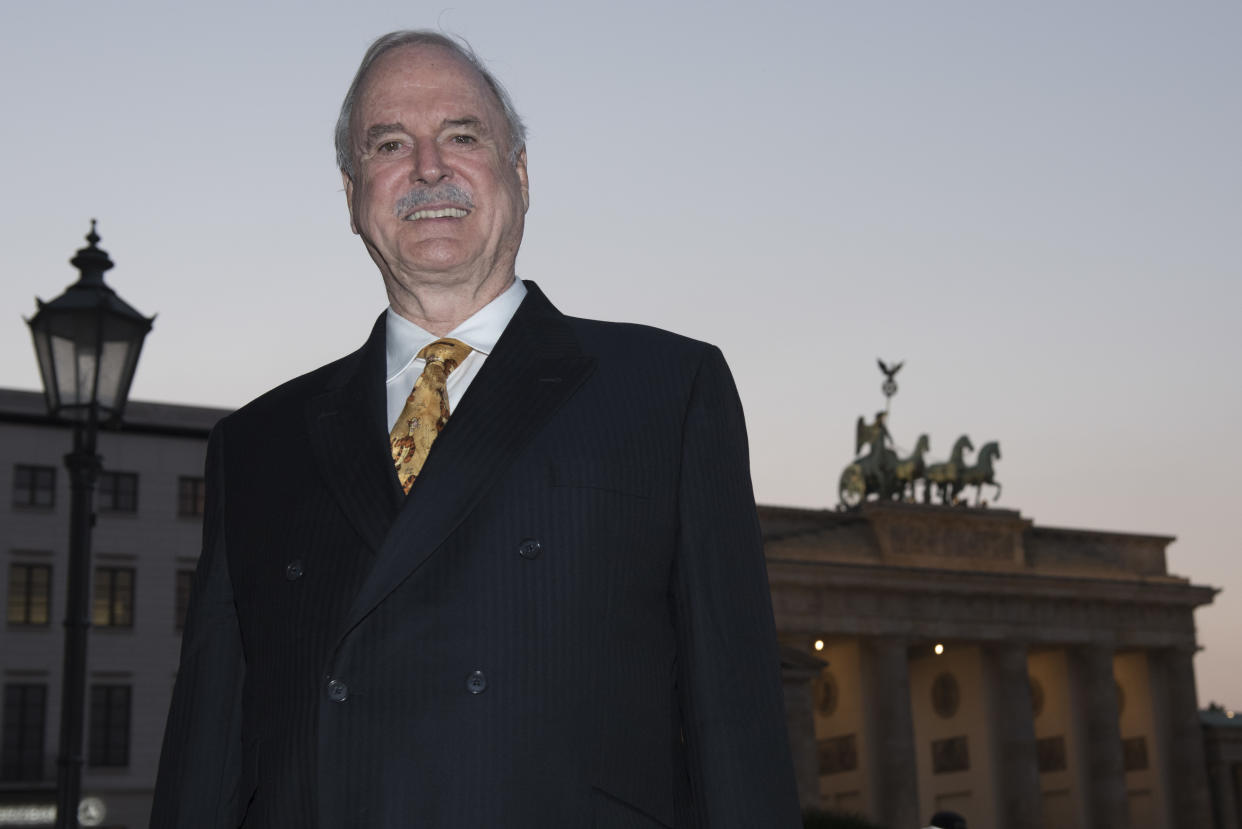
(599, 337)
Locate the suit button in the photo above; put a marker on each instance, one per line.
(293, 570)
(476, 683)
(338, 691)
(530, 548)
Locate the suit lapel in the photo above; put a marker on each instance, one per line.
(536, 366)
(348, 436)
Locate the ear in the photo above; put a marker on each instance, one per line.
(349, 200)
(520, 167)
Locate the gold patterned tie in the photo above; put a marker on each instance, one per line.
(426, 409)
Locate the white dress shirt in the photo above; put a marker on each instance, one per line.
(480, 332)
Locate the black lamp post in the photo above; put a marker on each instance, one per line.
(87, 341)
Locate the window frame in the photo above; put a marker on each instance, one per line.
(191, 503)
(108, 741)
(20, 762)
(114, 499)
(28, 591)
(42, 479)
(107, 574)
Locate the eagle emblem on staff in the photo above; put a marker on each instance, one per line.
(889, 387)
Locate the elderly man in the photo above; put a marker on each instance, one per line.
(499, 567)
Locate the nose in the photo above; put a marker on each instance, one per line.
(429, 167)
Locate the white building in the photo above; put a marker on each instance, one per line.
(146, 540)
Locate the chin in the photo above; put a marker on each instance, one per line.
(438, 254)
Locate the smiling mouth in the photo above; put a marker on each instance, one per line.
(438, 213)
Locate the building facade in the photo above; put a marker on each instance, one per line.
(1021, 676)
(1222, 737)
(933, 657)
(148, 505)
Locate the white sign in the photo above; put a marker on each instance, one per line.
(91, 811)
(30, 815)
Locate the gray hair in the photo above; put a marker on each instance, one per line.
(421, 37)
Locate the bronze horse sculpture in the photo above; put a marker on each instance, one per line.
(880, 472)
(946, 477)
(910, 470)
(980, 472)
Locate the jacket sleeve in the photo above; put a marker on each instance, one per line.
(728, 668)
(200, 763)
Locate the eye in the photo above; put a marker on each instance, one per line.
(464, 139)
(388, 147)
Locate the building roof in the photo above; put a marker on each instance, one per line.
(1217, 717)
(959, 538)
(141, 416)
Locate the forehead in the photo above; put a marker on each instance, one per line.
(424, 79)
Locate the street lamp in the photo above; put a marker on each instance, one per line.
(87, 342)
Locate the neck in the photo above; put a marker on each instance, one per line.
(439, 309)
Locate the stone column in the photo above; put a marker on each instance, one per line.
(1191, 799)
(1018, 798)
(798, 670)
(892, 776)
(1105, 778)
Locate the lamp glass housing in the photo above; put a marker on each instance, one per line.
(87, 341)
(87, 358)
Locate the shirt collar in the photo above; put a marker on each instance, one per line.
(480, 331)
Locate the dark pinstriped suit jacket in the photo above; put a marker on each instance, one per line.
(565, 624)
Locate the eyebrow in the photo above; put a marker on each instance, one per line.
(379, 130)
(468, 121)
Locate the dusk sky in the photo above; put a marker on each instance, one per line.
(1038, 207)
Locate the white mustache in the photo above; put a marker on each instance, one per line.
(440, 194)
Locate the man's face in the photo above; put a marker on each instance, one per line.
(434, 195)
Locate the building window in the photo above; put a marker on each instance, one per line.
(118, 492)
(114, 597)
(34, 486)
(30, 594)
(109, 735)
(25, 708)
(1134, 753)
(1051, 755)
(949, 755)
(838, 754)
(946, 695)
(185, 583)
(190, 496)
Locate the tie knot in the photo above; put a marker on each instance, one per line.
(447, 352)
